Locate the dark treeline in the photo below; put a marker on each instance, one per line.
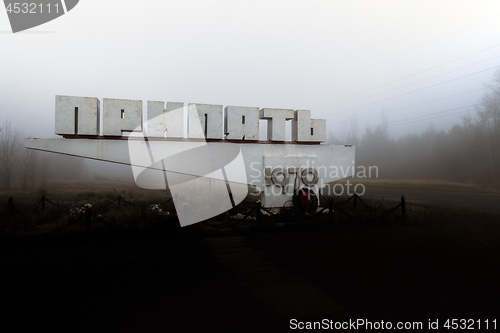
(470, 151)
(25, 168)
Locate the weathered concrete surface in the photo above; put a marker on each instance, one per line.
(88, 115)
(169, 120)
(274, 198)
(241, 123)
(204, 120)
(305, 129)
(276, 122)
(326, 158)
(209, 117)
(469, 201)
(121, 115)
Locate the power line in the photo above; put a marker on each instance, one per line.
(444, 115)
(410, 92)
(432, 41)
(425, 117)
(405, 77)
(427, 102)
(409, 84)
(431, 114)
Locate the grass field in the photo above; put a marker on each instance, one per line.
(141, 272)
(428, 185)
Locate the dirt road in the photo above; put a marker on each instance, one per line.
(470, 201)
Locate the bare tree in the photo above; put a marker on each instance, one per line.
(352, 136)
(10, 144)
(24, 167)
(489, 120)
(34, 174)
(29, 167)
(43, 172)
(333, 140)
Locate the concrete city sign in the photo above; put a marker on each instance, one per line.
(207, 155)
(81, 115)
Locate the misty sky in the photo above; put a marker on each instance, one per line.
(335, 58)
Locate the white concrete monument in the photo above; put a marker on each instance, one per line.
(165, 123)
(121, 115)
(241, 123)
(221, 154)
(276, 122)
(77, 115)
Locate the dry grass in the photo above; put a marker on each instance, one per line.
(69, 188)
(439, 262)
(427, 185)
(28, 218)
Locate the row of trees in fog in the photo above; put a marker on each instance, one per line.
(26, 168)
(19, 166)
(470, 151)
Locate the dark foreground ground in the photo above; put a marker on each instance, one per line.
(439, 264)
(471, 201)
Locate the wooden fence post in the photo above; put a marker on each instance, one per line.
(403, 208)
(258, 215)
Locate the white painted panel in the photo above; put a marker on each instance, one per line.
(276, 122)
(88, 115)
(121, 115)
(319, 127)
(241, 123)
(196, 121)
(169, 119)
(332, 162)
(305, 129)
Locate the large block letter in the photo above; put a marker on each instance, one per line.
(276, 122)
(77, 115)
(169, 121)
(241, 123)
(205, 121)
(305, 129)
(121, 115)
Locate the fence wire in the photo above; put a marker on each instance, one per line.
(258, 212)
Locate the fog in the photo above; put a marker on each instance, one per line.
(349, 62)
